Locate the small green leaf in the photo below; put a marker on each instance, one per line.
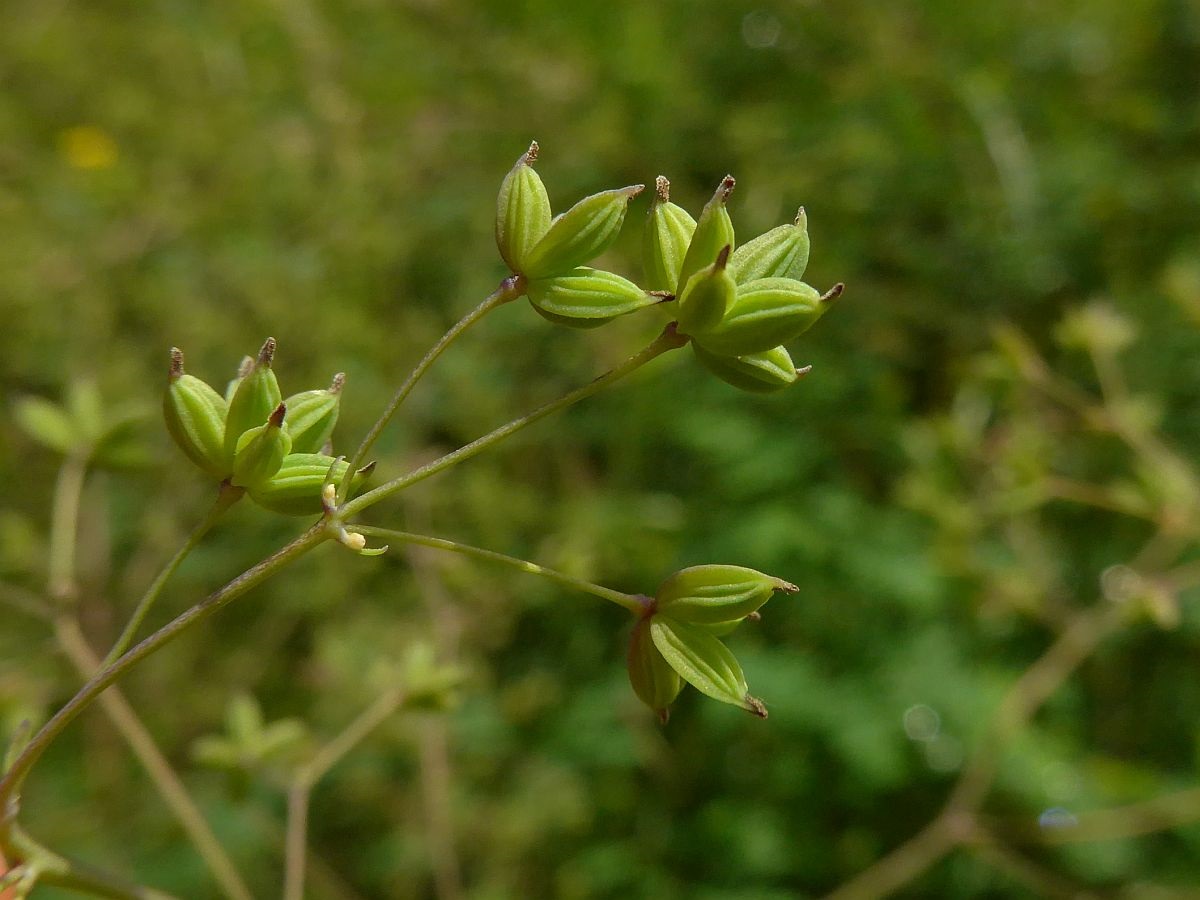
(243, 720)
(703, 662)
(47, 423)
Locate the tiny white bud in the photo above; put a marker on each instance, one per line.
(329, 496)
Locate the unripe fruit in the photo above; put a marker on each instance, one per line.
(195, 416)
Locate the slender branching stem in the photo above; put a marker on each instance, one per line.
(956, 824)
(632, 602)
(227, 496)
(11, 782)
(509, 289)
(168, 784)
(308, 775)
(668, 340)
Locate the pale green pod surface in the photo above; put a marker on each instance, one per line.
(312, 416)
(709, 293)
(244, 369)
(654, 681)
(582, 324)
(714, 230)
(522, 211)
(709, 595)
(195, 417)
(703, 662)
(588, 294)
(261, 451)
(767, 312)
(256, 397)
(295, 490)
(580, 234)
(669, 230)
(780, 253)
(759, 373)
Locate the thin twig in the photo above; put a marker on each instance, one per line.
(168, 784)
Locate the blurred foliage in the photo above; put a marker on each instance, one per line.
(203, 175)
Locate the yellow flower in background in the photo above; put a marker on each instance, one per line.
(87, 147)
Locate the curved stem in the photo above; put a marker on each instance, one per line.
(630, 602)
(668, 340)
(166, 781)
(228, 496)
(509, 289)
(11, 782)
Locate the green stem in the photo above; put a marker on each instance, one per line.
(668, 340)
(308, 775)
(53, 869)
(168, 784)
(509, 289)
(228, 496)
(11, 782)
(64, 521)
(631, 602)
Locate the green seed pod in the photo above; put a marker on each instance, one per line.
(709, 595)
(195, 415)
(669, 230)
(261, 451)
(256, 397)
(708, 294)
(580, 234)
(703, 662)
(767, 312)
(654, 681)
(588, 295)
(312, 415)
(244, 369)
(759, 373)
(522, 211)
(780, 253)
(714, 230)
(295, 490)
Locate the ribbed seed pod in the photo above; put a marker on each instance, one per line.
(712, 594)
(312, 416)
(767, 312)
(708, 294)
(780, 253)
(195, 417)
(580, 234)
(759, 373)
(260, 451)
(669, 230)
(587, 295)
(295, 490)
(714, 230)
(522, 211)
(255, 398)
(654, 681)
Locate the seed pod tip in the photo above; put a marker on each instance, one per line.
(532, 153)
(662, 187)
(267, 353)
(176, 370)
(833, 293)
(339, 382)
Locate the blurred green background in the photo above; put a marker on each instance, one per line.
(203, 175)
